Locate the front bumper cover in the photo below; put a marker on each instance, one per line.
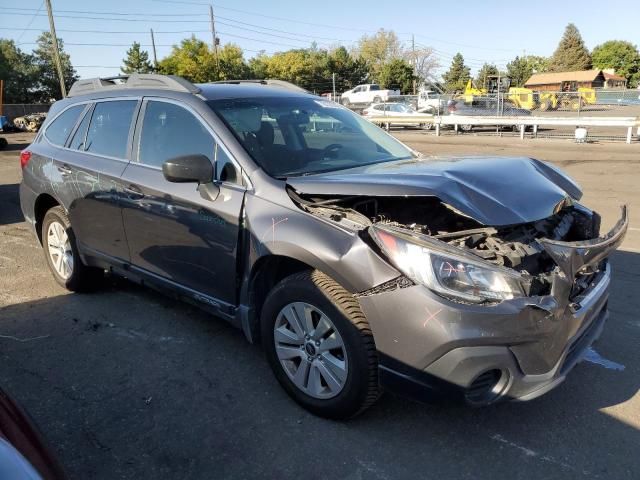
(427, 342)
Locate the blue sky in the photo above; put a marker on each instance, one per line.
(493, 31)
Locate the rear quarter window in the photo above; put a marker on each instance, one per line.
(59, 129)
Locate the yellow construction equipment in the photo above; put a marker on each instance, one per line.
(572, 97)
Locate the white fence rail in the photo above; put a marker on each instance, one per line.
(521, 122)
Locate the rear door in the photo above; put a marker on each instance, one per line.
(173, 232)
(96, 155)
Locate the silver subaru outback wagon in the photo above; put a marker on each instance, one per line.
(359, 264)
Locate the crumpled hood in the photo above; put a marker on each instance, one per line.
(494, 191)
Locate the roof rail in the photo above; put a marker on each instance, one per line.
(135, 80)
(269, 82)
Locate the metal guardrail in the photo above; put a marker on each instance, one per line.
(522, 122)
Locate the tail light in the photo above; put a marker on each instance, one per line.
(25, 156)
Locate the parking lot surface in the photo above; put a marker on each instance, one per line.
(126, 383)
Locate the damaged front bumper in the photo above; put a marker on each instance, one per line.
(516, 349)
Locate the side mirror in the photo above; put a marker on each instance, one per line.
(188, 169)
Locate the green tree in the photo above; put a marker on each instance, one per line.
(192, 59)
(397, 74)
(485, 71)
(458, 74)
(307, 68)
(622, 56)
(48, 85)
(349, 71)
(18, 72)
(232, 64)
(379, 49)
(137, 60)
(571, 54)
(258, 66)
(519, 71)
(538, 63)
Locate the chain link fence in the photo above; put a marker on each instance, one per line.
(516, 102)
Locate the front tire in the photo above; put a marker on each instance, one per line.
(319, 345)
(61, 253)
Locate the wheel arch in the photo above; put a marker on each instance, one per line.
(265, 274)
(44, 202)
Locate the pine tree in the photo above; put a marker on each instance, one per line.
(137, 61)
(519, 71)
(48, 82)
(458, 74)
(571, 54)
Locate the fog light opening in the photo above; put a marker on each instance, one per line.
(487, 387)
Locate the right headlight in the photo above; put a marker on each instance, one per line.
(451, 275)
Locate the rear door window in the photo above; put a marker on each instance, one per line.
(58, 131)
(108, 133)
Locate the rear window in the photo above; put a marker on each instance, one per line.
(109, 128)
(58, 131)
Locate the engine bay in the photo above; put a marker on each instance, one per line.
(516, 246)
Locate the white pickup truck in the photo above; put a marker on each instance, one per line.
(367, 93)
(430, 101)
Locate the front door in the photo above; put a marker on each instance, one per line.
(172, 230)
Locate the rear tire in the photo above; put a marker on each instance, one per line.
(377, 100)
(324, 315)
(61, 253)
(345, 102)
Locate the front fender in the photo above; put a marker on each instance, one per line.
(321, 244)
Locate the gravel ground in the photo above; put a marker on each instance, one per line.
(127, 384)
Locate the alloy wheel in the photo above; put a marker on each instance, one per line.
(310, 350)
(59, 249)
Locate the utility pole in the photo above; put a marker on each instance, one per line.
(155, 57)
(1, 96)
(215, 39)
(333, 78)
(56, 50)
(415, 61)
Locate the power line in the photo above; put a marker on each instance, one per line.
(247, 12)
(30, 21)
(190, 21)
(281, 31)
(146, 20)
(91, 12)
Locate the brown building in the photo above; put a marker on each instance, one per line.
(611, 80)
(566, 81)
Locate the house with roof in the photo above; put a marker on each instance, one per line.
(566, 81)
(611, 80)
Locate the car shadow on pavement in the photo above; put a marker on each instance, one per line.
(10, 204)
(127, 383)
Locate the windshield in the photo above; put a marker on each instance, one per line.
(304, 135)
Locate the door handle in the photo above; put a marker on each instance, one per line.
(65, 170)
(133, 192)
